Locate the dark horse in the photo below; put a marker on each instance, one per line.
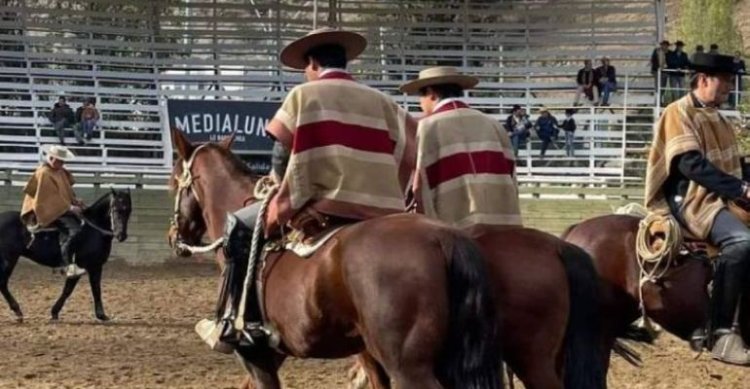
(678, 301)
(107, 217)
(544, 287)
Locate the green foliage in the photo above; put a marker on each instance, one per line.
(703, 22)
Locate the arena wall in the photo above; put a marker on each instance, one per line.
(148, 225)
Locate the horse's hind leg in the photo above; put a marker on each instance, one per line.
(70, 285)
(95, 279)
(368, 373)
(6, 270)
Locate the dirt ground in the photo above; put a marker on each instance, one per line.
(150, 342)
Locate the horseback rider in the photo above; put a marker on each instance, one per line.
(342, 150)
(465, 166)
(49, 200)
(694, 174)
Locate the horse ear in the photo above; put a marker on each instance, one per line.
(111, 189)
(228, 141)
(181, 143)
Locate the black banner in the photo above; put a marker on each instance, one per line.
(213, 120)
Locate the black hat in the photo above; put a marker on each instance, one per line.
(665, 42)
(712, 63)
(679, 43)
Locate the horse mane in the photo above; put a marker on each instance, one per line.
(235, 163)
(104, 199)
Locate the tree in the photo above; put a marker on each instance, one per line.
(703, 22)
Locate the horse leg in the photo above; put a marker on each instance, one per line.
(4, 278)
(70, 285)
(263, 366)
(95, 280)
(368, 373)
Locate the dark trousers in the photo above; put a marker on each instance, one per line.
(69, 226)
(545, 145)
(733, 239)
(60, 129)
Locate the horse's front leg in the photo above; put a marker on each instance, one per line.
(95, 279)
(6, 269)
(367, 372)
(263, 366)
(70, 285)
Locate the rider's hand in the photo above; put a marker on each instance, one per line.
(76, 210)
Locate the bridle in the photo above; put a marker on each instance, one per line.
(185, 182)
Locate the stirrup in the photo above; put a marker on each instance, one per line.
(74, 271)
(255, 334)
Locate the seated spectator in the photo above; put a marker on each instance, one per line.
(659, 63)
(607, 80)
(713, 49)
(546, 129)
(518, 125)
(61, 116)
(89, 118)
(509, 120)
(585, 81)
(569, 126)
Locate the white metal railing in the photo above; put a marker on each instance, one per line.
(672, 84)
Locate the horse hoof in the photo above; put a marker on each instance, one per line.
(54, 318)
(19, 320)
(102, 317)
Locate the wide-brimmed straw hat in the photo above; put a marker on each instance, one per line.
(437, 76)
(293, 55)
(58, 152)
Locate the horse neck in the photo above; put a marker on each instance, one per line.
(99, 212)
(224, 192)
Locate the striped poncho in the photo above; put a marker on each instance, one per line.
(351, 152)
(685, 127)
(465, 169)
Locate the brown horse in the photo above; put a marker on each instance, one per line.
(362, 290)
(678, 301)
(546, 289)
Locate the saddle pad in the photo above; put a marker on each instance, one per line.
(307, 247)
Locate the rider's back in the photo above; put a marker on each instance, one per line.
(347, 156)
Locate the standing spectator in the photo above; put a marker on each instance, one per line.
(713, 49)
(658, 64)
(89, 118)
(546, 129)
(586, 81)
(61, 116)
(569, 126)
(518, 125)
(607, 80)
(679, 61)
(698, 49)
(740, 70)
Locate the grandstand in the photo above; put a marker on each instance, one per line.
(133, 57)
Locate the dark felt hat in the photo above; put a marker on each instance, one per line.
(712, 63)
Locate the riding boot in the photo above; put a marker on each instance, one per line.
(70, 227)
(220, 333)
(729, 283)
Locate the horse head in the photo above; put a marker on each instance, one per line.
(203, 181)
(120, 206)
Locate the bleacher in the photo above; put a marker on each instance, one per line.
(132, 57)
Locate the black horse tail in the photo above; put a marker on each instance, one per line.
(584, 366)
(471, 357)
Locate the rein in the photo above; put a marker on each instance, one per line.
(185, 182)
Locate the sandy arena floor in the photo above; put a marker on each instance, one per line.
(150, 342)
